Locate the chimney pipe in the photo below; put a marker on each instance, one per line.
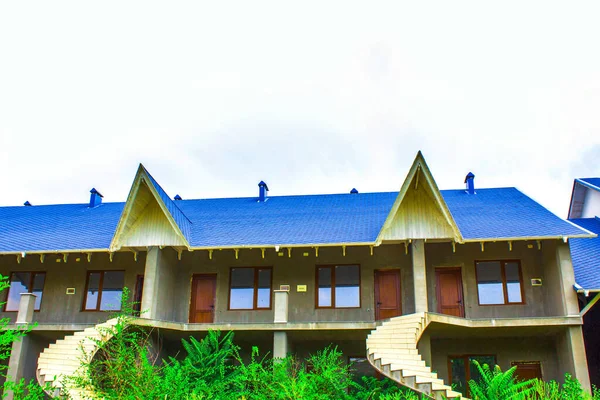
(95, 198)
(470, 183)
(354, 191)
(27, 203)
(262, 191)
(177, 197)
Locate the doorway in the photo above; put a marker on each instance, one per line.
(202, 307)
(449, 292)
(388, 300)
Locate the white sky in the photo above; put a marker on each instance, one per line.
(316, 97)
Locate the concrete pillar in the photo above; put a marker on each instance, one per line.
(572, 357)
(26, 308)
(419, 275)
(567, 279)
(159, 278)
(280, 345)
(424, 347)
(281, 306)
(18, 354)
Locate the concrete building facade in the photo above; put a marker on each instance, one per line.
(409, 282)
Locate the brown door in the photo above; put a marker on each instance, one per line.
(202, 307)
(527, 370)
(449, 291)
(388, 302)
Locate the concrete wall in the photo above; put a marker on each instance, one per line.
(57, 306)
(506, 350)
(297, 270)
(540, 301)
(167, 284)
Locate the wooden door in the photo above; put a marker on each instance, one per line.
(449, 292)
(388, 300)
(202, 307)
(527, 370)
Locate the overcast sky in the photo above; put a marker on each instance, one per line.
(316, 97)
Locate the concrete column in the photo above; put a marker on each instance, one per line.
(572, 357)
(159, 278)
(280, 345)
(281, 306)
(424, 347)
(26, 308)
(567, 279)
(419, 275)
(18, 355)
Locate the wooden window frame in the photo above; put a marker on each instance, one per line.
(466, 357)
(100, 290)
(255, 293)
(504, 285)
(33, 273)
(332, 267)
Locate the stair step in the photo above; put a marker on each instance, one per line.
(424, 370)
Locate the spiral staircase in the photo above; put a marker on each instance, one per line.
(392, 350)
(65, 358)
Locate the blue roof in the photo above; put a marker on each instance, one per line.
(281, 220)
(181, 220)
(586, 255)
(503, 213)
(591, 182)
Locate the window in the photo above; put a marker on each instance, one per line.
(527, 370)
(250, 288)
(462, 370)
(103, 291)
(338, 286)
(499, 282)
(25, 282)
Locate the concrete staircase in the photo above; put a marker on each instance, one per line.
(65, 357)
(392, 350)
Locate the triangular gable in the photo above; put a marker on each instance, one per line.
(150, 217)
(419, 211)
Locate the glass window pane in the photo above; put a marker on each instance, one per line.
(241, 296)
(264, 288)
(19, 283)
(38, 287)
(459, 375)
(91, 299)
(489, 283)
(513, 282)
(112, 290)
(347, 289)
(324, 294)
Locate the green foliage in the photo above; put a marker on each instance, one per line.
(495, 384)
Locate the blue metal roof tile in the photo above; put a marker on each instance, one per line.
(280, 220)
(586, 255)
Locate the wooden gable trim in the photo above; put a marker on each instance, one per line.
(142, 177)
(419, 165)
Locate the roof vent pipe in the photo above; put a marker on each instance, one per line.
(470, 183)
(354, 191)
(95, 198)
(177, 197)
(27, 203)
(262, 191)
